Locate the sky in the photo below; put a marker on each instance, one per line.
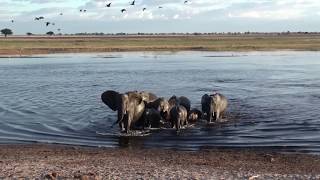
(175, 16)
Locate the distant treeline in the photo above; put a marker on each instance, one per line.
(51, 33)
(194, 33)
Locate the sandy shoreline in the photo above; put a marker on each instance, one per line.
(39, 161)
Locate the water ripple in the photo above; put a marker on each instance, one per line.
(273, 100)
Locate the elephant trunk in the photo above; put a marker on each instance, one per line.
(178, 124)
(120, 116)
(177, 117)
(210, 113)
(122, 111)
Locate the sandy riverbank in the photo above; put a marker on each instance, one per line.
(39, 161)
(22, 46)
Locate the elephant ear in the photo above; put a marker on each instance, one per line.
(173, 100)
(111, 98)
(204, 99)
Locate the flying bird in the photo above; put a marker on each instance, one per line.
(12, 21)
(38, 18)
(108, 5)
(61, 14)
(185, 2)
(144, 9)
(59, 29)
(160, 7)
(132, 3)
(53, 24)
(48, 23)
(123, 10)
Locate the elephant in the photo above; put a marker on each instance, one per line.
(178, 116)
(161, 105)
(174, 101)
(152, 118)
(130, 107)
(194, 115)
(213, 105)
(182, 100)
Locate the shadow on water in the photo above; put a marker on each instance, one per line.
(273, 98)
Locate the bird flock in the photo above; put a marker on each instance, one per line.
(83, 11)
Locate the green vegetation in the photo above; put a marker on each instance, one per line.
(6, 32)
(50, 33)
(65, 44)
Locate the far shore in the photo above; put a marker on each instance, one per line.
(33, 45)
(74, 162)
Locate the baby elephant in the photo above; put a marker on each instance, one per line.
(194, 115)
(178, 116)
(152, 118)
(213, 105)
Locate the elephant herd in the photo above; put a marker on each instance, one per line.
(144, 109)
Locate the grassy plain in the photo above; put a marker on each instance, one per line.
(24, 45)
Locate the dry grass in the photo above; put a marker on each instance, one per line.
(60, 44)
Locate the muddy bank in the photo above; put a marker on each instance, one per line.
(65, 44)
(52, 50)
(39, 161)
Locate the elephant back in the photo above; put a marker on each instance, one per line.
(148, 96)
(185, 102)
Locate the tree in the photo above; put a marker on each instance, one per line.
(6, 32)
(50, 33)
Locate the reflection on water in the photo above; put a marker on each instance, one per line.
(274, 98)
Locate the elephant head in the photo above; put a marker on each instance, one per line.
(194, 115)
(207, 107)
(129, 106)
(182, 100)
(161, 105)
(178, 116)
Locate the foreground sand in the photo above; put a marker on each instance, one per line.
(70, 162)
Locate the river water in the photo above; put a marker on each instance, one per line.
(274, 98)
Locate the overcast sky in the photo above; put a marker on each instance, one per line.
(175, 16)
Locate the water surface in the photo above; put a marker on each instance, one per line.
(274, 98)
